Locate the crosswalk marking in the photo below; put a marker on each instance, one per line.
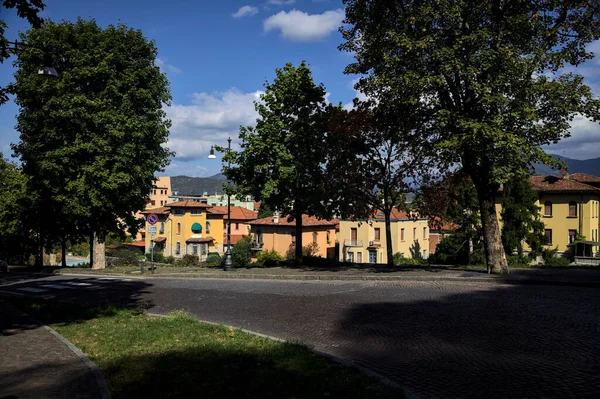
(29, 289)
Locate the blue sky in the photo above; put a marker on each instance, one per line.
(217, 55)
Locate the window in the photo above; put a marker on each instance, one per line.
(548, 235)
(314, 237)
(424, 254)
(359, 257)
(293, 237)
(350, 257)
(162, 228)
(415, 233)
(402, 234)
(572, 235)
(259, 237)
(547, 208)
(377, 235)
(424, 233)
(203, 249)
(178, 212)
(195, 249)
(328, 237)
(154, 192)
(178, 228)
(237, 226)
(177, 248)
(353, 236)
(207, 227)
(196, 212)
(572, 209)
(153, 202)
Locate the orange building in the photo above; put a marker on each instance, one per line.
(240, 219)
(277, 233)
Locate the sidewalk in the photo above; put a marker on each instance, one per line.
(37, 364)
(587, 277)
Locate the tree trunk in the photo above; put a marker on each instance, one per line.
(64, 251)
(41, 249)
(298, 249)
(99, 252)
(91, 249)
(388, 237)
(492, 240)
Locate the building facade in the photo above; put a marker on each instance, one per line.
(363, 241)
(240, 222)
(185, 228)
(569, 209)
(214, 200)
(279, 234)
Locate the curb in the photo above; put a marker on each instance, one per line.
(345, 362)
(98, 377)
(314, 277)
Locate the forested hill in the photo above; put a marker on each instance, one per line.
(198, 185)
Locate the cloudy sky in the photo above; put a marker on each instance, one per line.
(217, 56)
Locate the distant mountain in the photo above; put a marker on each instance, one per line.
(198, 185)
(589, 166)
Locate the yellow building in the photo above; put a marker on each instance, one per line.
(570, 206)
(185, 228)
(364, 241)
(159, 195)
(277, 233)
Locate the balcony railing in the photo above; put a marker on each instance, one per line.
(353, 243)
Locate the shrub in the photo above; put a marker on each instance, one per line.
(268, 258)
(311, 249)
(241, 253)
(157, 256)
(188, 261)
(213, 259)
(557, 261)
(125, 257)
(517, 261)
(399, 259)
(170, 260)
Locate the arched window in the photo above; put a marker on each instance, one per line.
(572, 209)
(548, 208)
(178, 228)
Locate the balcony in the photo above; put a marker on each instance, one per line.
(353, 243)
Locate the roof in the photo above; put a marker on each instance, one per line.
(234, 239)
(160, 239)
(395, 214)
(307, 221)
(163, 210)
(437, 224)
(558, 184)
(237, 212)
(200, 239)
(136, 244)
(585, 178)
(188, 204)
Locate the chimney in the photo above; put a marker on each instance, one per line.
(276, 217)
(564, 173)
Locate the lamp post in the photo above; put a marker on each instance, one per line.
(16, 46)
(228, 260)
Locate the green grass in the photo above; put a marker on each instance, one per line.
(159, 357)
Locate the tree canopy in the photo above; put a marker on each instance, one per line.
(489, 79)
(92, 139)
(281, 158)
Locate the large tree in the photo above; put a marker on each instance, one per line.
(281, 158)
(488, 74)
(92, 139)
(371, 164)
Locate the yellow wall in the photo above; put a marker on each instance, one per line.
(279, 238)
(186, 220)
(366, 233)
(586, 223)
(160, 192)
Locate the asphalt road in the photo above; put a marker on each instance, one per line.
(436, 339)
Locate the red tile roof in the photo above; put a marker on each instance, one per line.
(237, 212)
(136, 244)
(395, 214)
(307, 221)
(584, 178)
(234, 239)
(558, 184)
(188, 204)
(163, 210)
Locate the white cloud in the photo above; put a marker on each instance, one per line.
(583, 142)
(357, 94)
(281, 2)
(300, 26)
(168, 67)
(187, 169)
(209, 120)
(245, 11)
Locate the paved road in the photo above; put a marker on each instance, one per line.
(440, 339)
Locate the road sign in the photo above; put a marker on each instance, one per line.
(152, 230)
(152, 218)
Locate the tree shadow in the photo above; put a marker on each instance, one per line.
(510, 341)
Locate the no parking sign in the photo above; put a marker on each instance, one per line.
(152, 218)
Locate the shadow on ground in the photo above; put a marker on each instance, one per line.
(517, 341)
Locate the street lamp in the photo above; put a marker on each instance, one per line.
(16, 46)
(228, 260)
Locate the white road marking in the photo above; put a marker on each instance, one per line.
(79, 284)
(28, 289)
(12, 293)
(57, 286)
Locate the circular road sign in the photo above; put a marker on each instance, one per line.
(152, 218)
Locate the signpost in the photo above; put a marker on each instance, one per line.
(152, 220)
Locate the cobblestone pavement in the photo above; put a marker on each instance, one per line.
(436, 339)
(36, 364)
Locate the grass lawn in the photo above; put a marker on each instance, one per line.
(158, 357)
